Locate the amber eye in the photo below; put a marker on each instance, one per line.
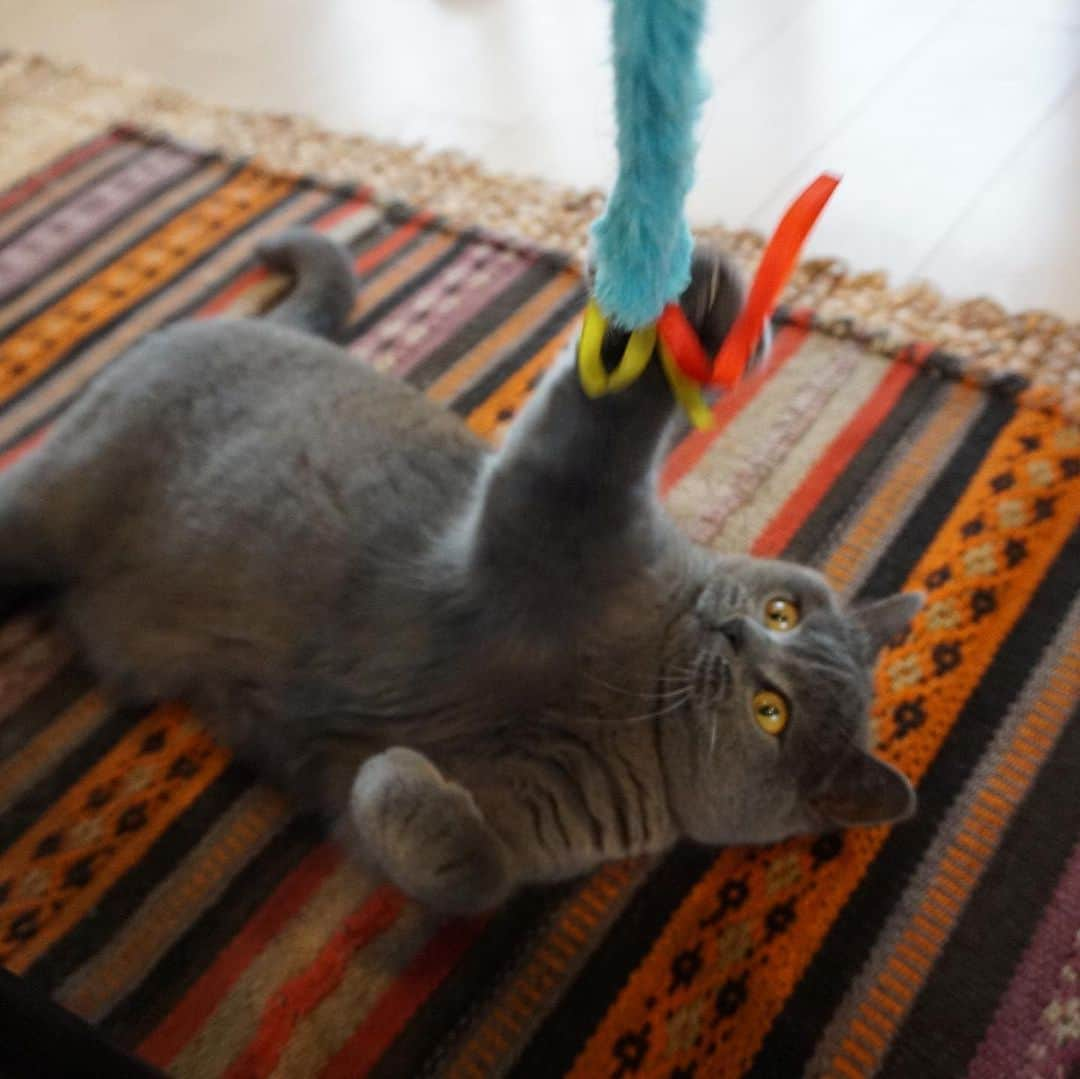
(781, 614)
(770, 711)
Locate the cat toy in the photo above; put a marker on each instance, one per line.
(642, 243)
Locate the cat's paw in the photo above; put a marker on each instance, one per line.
(425, 833)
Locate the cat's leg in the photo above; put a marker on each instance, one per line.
(569, 501)
(425, 833)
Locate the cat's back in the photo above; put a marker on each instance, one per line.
(215, 424)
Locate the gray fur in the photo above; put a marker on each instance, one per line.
(486, 668)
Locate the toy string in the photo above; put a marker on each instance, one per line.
(686, 363)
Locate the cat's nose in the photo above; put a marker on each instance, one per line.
(734, 630)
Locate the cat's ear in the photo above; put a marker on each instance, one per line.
(865, 790)
(884, 619)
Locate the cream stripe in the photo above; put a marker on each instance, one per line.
(371, 971)
(57, 281)
(73, 726)
(348, 228)
(69, 381)
(908, 473)
(926, 914)
(762, 456)
(57, 190)
(296, 946)
(196, 883)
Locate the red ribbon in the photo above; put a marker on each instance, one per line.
(778, 262)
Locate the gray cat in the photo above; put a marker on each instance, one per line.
(487, 668)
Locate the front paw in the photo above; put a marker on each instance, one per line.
(426, 834)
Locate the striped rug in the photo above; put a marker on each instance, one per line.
(152, 886)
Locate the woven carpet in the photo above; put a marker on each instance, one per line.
(152, 886)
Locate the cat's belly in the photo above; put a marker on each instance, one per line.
(215, 493)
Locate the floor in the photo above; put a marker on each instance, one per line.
(956, 123)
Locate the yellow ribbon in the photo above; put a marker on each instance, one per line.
(597, 381)
(687, 392)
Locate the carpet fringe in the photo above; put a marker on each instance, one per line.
(46, 105)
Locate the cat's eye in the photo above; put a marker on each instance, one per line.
(781, 614)
(771, 712)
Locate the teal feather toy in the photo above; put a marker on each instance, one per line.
(642, 245)
(642, 242)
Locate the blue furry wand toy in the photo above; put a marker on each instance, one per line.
(642, 242)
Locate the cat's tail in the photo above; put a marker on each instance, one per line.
(324, 289)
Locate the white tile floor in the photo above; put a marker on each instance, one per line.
(956, 123)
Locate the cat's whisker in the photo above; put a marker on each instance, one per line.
(660, 712)
(640, 694)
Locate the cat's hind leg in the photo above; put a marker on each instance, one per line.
(425, 833)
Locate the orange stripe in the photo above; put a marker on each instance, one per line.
(692, 448)
(512, 394)
(39, 343)
(147, 797)
(394, 242)
(298, 996)
(779, 531)
(187, 1018)
(846, 1068)
(396, 1006)
(530, 314)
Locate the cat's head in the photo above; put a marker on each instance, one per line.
(778, 671)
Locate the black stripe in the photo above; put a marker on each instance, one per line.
(537, 823)
(831, 516)
(84, 187)
(126, 893)
(114, 254)
(499, 310)
(498, 373)
(845, 948)
(42, 1041)
(467, 990)
(44, 707)
(129, 312)
(151, 1001)
(956, 1005)
(562, 1035)
(918, 532)
(603, 766)
(406, 288)
(25, 812)
(556, 816)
